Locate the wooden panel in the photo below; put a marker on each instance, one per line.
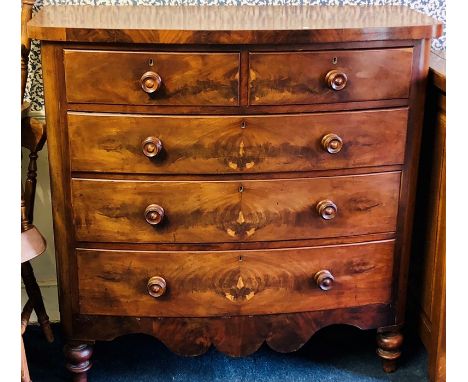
(186, 78)
(235, 25)
(201, 284)
(428, 273)
(383, 52)
(300, 77)
(240, 110)
(253, 144)
(236, 211)
(236, 336)
(59, 172)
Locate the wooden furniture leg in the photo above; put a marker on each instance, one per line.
(389, 348)
(25, 314)
(78, 360)
(24, 364)
(35, 296)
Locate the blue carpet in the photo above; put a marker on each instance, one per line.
(335, 354)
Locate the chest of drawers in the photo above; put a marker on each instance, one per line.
(232, 176)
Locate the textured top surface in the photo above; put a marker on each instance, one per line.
(224, 24)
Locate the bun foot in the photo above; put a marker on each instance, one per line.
(78, 361)
(389, 349)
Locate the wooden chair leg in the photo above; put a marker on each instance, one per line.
(24, 364)
(35, 296)
(25, 315)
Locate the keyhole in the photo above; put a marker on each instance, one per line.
(335, 60)
(240, 258)
(241, 188)
(150, 62)
(243, 125)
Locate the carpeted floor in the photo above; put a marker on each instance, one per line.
(334, 354)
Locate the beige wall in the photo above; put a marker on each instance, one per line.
(44, 265)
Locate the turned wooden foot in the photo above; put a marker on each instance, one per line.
(389, 349)
(78, 361)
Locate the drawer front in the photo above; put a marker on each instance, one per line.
(331, 76)
(234, 283)
(181, 78)
(255, 144)
(235, 211)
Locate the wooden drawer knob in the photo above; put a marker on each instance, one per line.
(156, 286)
(324, 279)
(327, 209)
(332, 143)
(151, 146)
(336, 80)
(150, 82)
(154, 214)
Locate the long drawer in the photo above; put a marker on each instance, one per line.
(201, 284)
(235, 144)
(235, 211)
(152, 78)
(284, 78)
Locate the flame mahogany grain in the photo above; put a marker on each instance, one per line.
(234, 211)
(235, 144)
(232, 283)
(219, 68)
(236, 336)
(284, 78)
(186, 78)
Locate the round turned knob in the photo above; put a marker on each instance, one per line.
(336, 80)
(151, 146)
(327, 209)
(332, 143)
(150, 82)
(154, 214)
(324, 279)
(156, 286)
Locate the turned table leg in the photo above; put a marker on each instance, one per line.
(78, 360)
(389, 348)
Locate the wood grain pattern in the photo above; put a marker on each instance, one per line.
(300, 77)
(438, 71)
(230, 211)
(428, 273)
(204, 284)
(236, 336)
(103, 213)
(187, 78)
(238, 110)
(389, 348)
(409, 177)
(235, 144)
(229, 24)
(233, 246)
(59, 170)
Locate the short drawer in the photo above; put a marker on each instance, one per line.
(235, 144)
(329, 76)
(203, 284)
(152, 78)
(234, 211)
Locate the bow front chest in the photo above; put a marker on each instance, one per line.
(232, 175)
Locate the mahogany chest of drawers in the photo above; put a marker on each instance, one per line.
(228, 176)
